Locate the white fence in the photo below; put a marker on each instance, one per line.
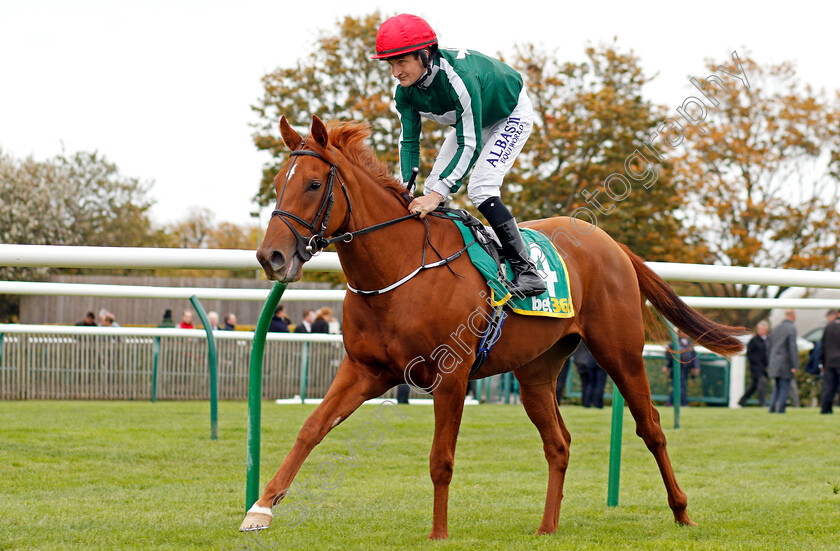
(139, 258)
(68, 363)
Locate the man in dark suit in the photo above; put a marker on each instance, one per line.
(757, 358)
(830, 360)
(689, 362)
(305, 326)
(783, 360)
(279, 322)
(592, 385)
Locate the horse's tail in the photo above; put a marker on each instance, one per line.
(716, 337)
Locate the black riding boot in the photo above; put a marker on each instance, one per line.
(526, 281)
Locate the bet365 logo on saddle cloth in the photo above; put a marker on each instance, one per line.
(556, 302)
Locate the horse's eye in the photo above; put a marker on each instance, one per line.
(313, 185)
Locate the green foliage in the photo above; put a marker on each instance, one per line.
(762, 181)
(338, 80)
(592, 116)
(80, 199)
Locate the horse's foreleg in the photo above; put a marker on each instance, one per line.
(350, 388)
(449, 406)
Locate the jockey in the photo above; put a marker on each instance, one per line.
(486, 103)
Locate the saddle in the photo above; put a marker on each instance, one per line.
(486, 238)
(484, 235)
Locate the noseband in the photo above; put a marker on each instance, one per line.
(306, 248)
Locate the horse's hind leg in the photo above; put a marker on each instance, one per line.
(537, 383)
(625, 364)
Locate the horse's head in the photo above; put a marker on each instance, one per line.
(306, 197)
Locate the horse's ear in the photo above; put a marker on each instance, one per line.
(319, 131)
(291, 138)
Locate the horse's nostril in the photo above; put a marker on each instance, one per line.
(277, 260)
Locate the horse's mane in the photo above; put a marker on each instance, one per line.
(350, 137)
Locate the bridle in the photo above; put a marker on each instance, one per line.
(307, 247)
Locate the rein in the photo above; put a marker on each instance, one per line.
(306, 248)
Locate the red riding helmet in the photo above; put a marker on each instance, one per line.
(403, 34)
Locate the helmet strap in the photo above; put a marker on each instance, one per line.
(427, 64)
(424, 57)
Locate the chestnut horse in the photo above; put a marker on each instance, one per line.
(333, 185)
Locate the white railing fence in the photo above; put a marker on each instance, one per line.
(184, 350)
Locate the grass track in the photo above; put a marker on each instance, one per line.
(125, 475)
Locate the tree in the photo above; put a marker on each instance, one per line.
(194, 231)
(586, 155)
(762, 176)
(338, 80)
(80, 199)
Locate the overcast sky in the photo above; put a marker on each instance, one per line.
(164, 89)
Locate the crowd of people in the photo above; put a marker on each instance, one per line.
(774, 355)
(313, 321)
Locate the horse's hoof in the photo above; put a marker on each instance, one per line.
(683, 520)
(544, 532)
(255, 521)
(439, 536)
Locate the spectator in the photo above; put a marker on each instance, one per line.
(333, 325)
(561, 380)
(321, 324)
(108, 320)
(186, 320)
(305, 326)
(597, 382)
(581, 359)
(230, 322)
(689, 362)
(213, 320)
(757, 359)
(279, 323)
(783, 360)
(592, 395)
(167, 319)
(830, 360)
(402, 393)
(89, 321)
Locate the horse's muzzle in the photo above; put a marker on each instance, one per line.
(277, 266)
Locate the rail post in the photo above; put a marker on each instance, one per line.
(615, 447)
(212, 365)
(676, 373)
(155, 369)
(252, 461)
(304, 372)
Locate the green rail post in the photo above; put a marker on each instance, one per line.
(304, 372)
(252, 461)
(214, 373)
(615, 447)
(676, 373)
(155, 369)
(478, 387)
(506, 379)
